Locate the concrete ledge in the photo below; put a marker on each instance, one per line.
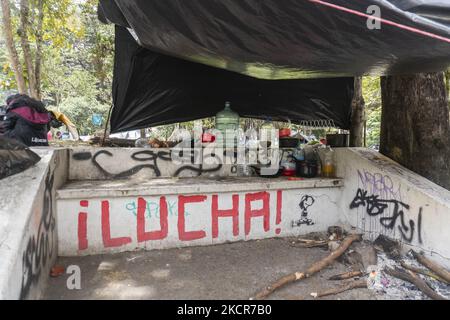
(28, 240)
(172, 186)
(383, 197)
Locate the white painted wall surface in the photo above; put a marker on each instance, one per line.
(322, 208)
(116, 163)
(387, 191)
(425, 206)
(28, 240)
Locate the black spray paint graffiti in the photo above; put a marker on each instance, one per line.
(305, 203)
(144, 156)
(376, 207)
(40, 247)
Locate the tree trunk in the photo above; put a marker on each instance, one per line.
(415, 124)
(39, 41)
(358, 116)
(27, 55)
(10, 46)
(447, 81)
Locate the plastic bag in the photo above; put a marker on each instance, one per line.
(15, 157)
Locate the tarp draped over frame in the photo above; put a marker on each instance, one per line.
(270, 58)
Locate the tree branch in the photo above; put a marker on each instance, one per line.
(437, 269)
(316, 267)
(413, 278)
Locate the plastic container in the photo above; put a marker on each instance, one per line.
(328, 164)
(299, 154)
(285, 133)
(268, 134)
(227, 120)
(289, 169)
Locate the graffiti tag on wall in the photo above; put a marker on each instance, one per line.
(381, 198)
(39, 249)
(305, 203)
(147, 159)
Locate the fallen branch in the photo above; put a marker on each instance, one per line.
(309, 244)
(346, 287)
(346, 276)
(308, 240)
(424, 272)
(316, 267)
(437, 269)
(413, 278)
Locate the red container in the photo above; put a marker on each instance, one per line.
(285, 132)
(208, 138)
(289, 172)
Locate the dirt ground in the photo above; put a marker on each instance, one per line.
(229, 271)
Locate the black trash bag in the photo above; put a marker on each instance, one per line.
(15, 157)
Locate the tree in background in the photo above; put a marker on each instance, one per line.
(372, 96)
(16, 65)
(415, 126)
(58, 51)
(358, 115)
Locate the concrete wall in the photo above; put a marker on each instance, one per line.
(121, 163)
(173, 219)
(28, 235)
(377, 196)
(382, 197)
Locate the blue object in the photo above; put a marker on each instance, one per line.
(97, 119)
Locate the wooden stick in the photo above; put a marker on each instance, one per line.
(346, 287)
(413, 278)
(347, 275)
(316, 267)
(309, 244)
(424, 272)
(437, 269)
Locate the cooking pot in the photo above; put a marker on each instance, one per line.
(289, 142)
(338, 140)
(307, 169)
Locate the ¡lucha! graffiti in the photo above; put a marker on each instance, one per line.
(217, 213)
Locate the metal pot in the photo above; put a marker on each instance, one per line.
(289, 142)
(338, 140)
(307, 169)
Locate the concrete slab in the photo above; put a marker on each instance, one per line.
(228, 271)
(167, 186)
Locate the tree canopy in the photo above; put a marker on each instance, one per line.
(71, 54)
(65, 57)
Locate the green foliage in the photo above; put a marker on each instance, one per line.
(80, 110)
(78, 54)
(372, 96)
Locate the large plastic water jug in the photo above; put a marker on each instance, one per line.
(227, 120)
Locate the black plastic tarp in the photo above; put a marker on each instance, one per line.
(151, 89)
(190, 57)
(280, 39)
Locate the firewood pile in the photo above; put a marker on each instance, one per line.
(379, 267)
